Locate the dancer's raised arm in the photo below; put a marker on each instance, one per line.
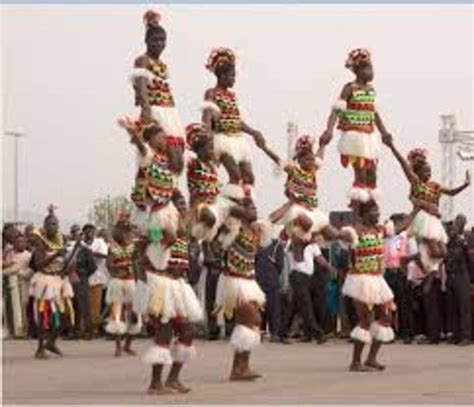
(328, 134)
(404, 164)
(460, 188)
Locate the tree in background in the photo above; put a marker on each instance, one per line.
(105, 210)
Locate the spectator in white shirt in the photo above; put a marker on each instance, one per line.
(99, 279)
(302, 258)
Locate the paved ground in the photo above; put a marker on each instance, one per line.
(294, 374)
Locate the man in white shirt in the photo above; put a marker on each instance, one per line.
(99, 279)
(302, 258)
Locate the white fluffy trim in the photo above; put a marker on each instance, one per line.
(318, 161)
(116, 327)
(170, 298)
(134, 328)
(352, 233)
(207, 104)
(244, 339)
(426, 226)
(233, 191)
(235, 145)
(141, 73)
(233, 227)
(368, 289)
(361, 335)
(182, 354)
(157, 355)
(359, 194)
(375, 194)
(355, 144)
(265, 229)
(232, 291)
(47, 287)
(158, 255)
(381, 333)
(339, 105)
(169, 119)
(120, 291)
(165, 218)
(318, 218)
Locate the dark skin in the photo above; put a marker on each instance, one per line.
(237, 171)
(423, 173)
(368, 222)
(155, 45)
(364, 77)
(122, 234)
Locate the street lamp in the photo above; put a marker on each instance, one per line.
(16, 135)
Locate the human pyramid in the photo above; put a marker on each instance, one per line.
(149, 271)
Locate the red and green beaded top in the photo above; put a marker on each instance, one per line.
(178, 264)
(229, 121)
(159, 181)
(241, 254)
(159, 91)
(426, 195)
(301, 186)
(120, 260)
(368, 255)
(203, 182)
(359, 115)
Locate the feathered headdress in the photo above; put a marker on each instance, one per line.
(357, 57)
(151, 19)
(219, 56)
(194, 133)
(417, 156)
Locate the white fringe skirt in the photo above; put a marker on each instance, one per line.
(167, 298)
(169, 119)
(429, 227)
(369, 289)
(358, 144)
(237, 146)
(232, 291)
(319, 219)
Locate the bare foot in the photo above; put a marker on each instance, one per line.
(130, 351)
(358, 367)
(178, 386)
(41, 354)
(118, 352)
(159, 390)
(374, 365)
(53, 349)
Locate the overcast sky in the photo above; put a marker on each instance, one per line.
(65, 76)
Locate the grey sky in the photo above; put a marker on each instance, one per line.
(65, 82)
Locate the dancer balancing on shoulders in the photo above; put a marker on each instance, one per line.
(221, 114)
(357, 118)
(425, 194)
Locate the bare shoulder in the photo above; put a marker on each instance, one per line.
(141, 61)
(210, 94)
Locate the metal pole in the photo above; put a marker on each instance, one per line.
(16, 199)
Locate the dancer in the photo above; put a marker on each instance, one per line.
(222, 116)
(357, 116)
(238, 294)
(171, 304)
(300, 215)
(210, 205)
(424, 195)
(368, 289)
(50, 287)
(150, 80)
(156, 196)
(123, 321)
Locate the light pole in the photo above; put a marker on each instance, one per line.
(16, 135)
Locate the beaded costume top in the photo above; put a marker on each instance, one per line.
(368, 254)
(158, 89)
(57, 264)
(426, 195)
(240, 260)
(178, 264)
(229, 121)
(301, 186)
(359, 114)
(120, 260)
(203, 182)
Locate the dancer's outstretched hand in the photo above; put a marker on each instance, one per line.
(387, 139)
(468, 177)
(326, 138)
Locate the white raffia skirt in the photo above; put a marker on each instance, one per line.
(237, 146)
(358, 144)
(167, 298)
(220, 209)
(232, 291)
(429, 227)
(169, 119)
(319, 219)
(53, 297)
(369, 289)
(120, 291)
(165, 218)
